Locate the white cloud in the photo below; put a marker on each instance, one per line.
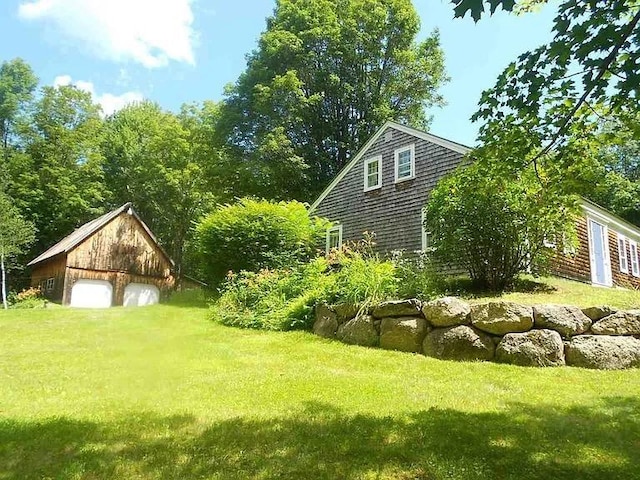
(109, 102)
(149, 32)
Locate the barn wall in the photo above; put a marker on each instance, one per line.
(121, 246)
(119, 280)
(52, 268)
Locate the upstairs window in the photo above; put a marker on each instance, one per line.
(334, 237)
(633, 249)
(405, 163)
(372, 173)
(622, 254)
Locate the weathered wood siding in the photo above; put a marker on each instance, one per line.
(52, 268)
(578, 266)
(121, 246)
(575, 266)
(394, 211)
(119, 280)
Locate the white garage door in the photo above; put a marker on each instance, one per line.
(87, 293)
(139, 294)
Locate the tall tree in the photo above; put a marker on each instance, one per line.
(15, 235)
(17, 85)
(325, 75)
(153, 159)
(57, 181)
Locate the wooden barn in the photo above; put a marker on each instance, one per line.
(112, 260)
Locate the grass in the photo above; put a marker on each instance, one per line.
(530, 291)
(162, 393)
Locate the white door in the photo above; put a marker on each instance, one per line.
(600, 264)
(140, 294)
(87, 293)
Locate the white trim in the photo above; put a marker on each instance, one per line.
(456, 147)
(608, 281)
(633, 251)
(609, 219)
(623, 263)
(367, 162)
(396, 162)
(330, 230)
(424, 234)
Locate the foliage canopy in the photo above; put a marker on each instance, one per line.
(325, 75)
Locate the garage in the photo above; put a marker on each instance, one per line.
(140, 294)
(87, 293)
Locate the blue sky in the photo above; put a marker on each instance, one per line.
(178, 51)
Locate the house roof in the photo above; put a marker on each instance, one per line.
(72, 240)
(443, 142)
(621, 225)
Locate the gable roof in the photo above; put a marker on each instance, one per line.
(443, 142)
(76, 237)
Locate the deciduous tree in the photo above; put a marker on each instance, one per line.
(325, 75)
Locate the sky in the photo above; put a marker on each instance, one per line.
(182, 51)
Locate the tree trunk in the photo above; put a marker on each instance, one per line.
(4, 282)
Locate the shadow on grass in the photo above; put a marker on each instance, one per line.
(462, 286)
(588, 442)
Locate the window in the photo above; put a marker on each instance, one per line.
(405, 163)
(633, 249)
(372, 174)
(50, 283)
(426, 235)
(334, 237)
(622, 254)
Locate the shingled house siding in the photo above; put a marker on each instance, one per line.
(392, 212)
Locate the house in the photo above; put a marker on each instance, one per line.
(112, 260)
(384, 188)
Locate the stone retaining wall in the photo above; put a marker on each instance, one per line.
(449, 328)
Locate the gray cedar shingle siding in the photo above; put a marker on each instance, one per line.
(393, 211)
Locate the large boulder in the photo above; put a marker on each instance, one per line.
(403, 333)
(446, 312)
(565, 319)
(536, 348)
(621, 323)
(460, 342)
(345, 311)
(326, 323)
(598, 312)
(499, 318)
(360, 330)
(603, 352)
(397, 308)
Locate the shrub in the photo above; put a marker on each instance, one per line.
(28, 298)
(284, 299)
(252, 235)
(418, 277)
(495, 226)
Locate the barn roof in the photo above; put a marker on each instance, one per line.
(72, 240)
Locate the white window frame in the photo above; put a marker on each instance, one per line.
(396, 158)
(330, 230)
(633, 251)
(377, 159)
(425, 244)
(50, 284)
(622, 254)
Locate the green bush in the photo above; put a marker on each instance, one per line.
(28, 298)
(496, 226)
(284, 299)
(251, 235)
(418, 277)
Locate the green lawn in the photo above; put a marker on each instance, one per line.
(162, 393)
